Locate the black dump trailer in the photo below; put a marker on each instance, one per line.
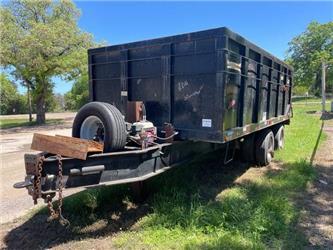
(156, 103)
(212, 86)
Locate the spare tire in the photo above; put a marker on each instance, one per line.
(101, 122)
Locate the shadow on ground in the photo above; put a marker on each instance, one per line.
(318, 220)
(326, 116)
(317, 203)
(109, 210)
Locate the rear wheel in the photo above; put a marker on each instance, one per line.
(279, 137)
(101, 122)
(264, 148)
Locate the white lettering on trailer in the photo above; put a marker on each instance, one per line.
(182, 85)
(188, 96)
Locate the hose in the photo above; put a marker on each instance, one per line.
(166, 138)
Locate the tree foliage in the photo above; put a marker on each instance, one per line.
(40, 40)
(308, 50)
(11, 102)
(8, 93)
(78, 95)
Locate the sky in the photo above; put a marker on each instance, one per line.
(271, 25)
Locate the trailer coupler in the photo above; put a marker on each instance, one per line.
(34, 168)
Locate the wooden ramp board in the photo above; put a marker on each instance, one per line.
(93, 146)
(65, 146)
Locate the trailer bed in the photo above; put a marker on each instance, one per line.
(212, 85)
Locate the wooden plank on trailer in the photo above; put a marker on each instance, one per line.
(65, 146)
(93, 146)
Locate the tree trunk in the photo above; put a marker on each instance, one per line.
(41, 93)
(317, 85)
(40, 109)
(29, 103)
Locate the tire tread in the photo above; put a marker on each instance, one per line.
(109, 114)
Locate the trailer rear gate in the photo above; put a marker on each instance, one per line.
(212, 85)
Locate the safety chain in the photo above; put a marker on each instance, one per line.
(54, 214)
(37, 191)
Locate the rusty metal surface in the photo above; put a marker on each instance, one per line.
(169, 131)
(31, 161)
(134, 111)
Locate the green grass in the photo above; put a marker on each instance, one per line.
(302, 135)
(309, 99)
(12, 123)
(197, 206)
(257, 215)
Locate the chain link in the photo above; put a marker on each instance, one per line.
(37, 181)
(63, 221)
(50, 207)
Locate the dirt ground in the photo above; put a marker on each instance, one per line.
(317, 215)
(316, 219)
(15, 142)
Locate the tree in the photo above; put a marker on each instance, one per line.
(8, 94)
(60, 102)
(308, 50)
(78, 95)
(40, 40)
(11, 102)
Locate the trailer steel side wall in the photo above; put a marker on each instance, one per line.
(212, 85)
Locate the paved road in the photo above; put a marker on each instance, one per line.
(15, 202)
(14, 143)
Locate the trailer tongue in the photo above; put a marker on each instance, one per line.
(47, 174)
